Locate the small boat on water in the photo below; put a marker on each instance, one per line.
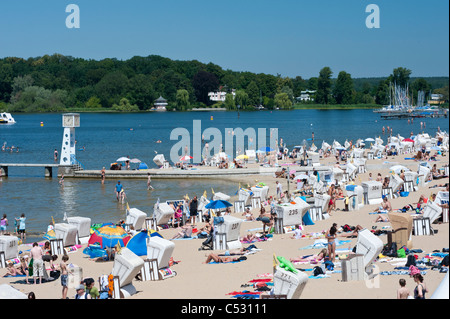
(6, 118)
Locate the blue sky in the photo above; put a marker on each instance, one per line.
(287, 37)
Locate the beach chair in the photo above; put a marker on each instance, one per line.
(370, 246)
(256, 202)
(83, 225)
(150, 270)
(126, 266)
(387, 191)
(57, 246)
(9, 246)
(67, 232)
(160, 249)
(288, 283)
(239, 206)
(353, 268)
(372, 192)
(402, 225)
(136, 218)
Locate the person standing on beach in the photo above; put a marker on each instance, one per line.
(64, 275)
(149, 181)
(193, 206)
(3, 224)
(421, 288)
(21, 230)
(279, 189)
(38, 263)
(103, 172)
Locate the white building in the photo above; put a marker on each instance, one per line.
(306, 96)
(219, 96)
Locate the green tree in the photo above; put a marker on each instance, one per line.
(229, 102)
(111, 88)
(182, 100)
(241, 99)
(253, 94)
(400, 76)
(343, 88)
(282, 101)
(324, 86)
(382, 94)
(125, 106)
(93, 103)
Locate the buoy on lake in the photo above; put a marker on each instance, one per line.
(211, 117)
(42, 123)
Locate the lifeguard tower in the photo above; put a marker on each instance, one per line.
(68, 162)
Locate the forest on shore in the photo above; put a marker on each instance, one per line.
(58, 83)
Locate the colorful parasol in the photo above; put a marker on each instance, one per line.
(109, 236)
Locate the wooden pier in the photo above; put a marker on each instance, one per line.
(48, 168)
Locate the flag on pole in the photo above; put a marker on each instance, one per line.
(204, 194)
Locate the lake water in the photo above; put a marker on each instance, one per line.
(108, 136)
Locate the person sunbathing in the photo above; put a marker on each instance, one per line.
(223, 259)
(12, 271)
(248, 215)
(313, 259)
(382, 219)
(385, 206)
(185, 231)
(250, 237)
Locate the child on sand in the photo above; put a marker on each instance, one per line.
(64, 275)
(402, 292)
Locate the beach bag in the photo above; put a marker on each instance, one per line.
(410, 261)
(401, 253)
(317, 271)
(218, 220)
(329, 265)
(444, 261)
(390, 251)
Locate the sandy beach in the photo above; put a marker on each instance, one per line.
(196, 280)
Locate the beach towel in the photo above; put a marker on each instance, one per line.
(187, 238)
(319, 276)
(322, 243)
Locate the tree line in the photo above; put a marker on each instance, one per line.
(57, 83)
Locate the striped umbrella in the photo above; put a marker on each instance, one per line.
(109, 236)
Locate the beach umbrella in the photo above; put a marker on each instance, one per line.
(109, 236)
(408, 140)
(185, 158)
(122, 159)
(143, 166)
(369, 139)
(217, 204)
(50, 235)
(242, 156)
(135, 160)
(398, 168)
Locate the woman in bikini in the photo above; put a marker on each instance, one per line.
(331, 237)
(314, 259)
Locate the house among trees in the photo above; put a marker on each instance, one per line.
(306, 96)
(219, 96)
(436, 99)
